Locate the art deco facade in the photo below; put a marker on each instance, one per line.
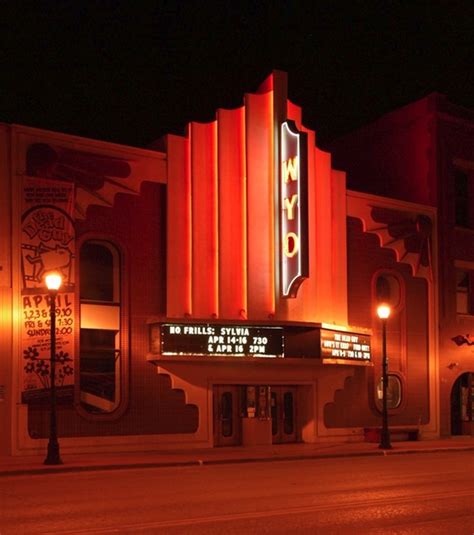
(219, 289)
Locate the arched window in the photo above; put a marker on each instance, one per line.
(464, 291)
(388, 287)
(100, 354)
(394, 392)
(387, 290)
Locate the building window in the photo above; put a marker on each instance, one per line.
(462, 195)
(98, 280)
(388, 290)
(100, 341)
(464, 291)
(394, 392)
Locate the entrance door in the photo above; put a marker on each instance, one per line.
(227, 419)
(462, 405)
(283, 403)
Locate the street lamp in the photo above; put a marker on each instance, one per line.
(383, 312)
(53, 283)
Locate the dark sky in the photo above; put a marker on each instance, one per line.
(132, 71)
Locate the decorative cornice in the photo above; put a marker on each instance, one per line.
(399, 226)
(97, 177)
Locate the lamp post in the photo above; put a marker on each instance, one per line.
(383, 312)
(53, 283)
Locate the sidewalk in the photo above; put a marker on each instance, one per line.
(28, 465)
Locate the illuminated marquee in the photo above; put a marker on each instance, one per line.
(221, 340)
(345, 345)
(294, 209)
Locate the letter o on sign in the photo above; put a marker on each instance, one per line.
(291, 244)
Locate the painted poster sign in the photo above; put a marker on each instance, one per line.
(47, 244)
(36, 345)
(47, 231)
(294, 214)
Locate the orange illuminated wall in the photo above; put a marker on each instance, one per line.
(224, 212)
(204, 218)
(232, 229)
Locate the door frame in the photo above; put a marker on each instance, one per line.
(306, 399)
(459, 406)
(235, 439)
(281, 437)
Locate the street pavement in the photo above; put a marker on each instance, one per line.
(23, 465)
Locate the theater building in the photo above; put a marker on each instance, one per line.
(424, 152)
(218, 289)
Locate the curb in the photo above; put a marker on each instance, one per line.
(62, 469)
(440, 449)
(304, 457)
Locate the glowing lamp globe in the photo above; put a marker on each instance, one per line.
(383, 311)
(53, 281)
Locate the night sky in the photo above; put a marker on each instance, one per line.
(130, 72)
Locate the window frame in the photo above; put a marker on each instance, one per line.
(401, 289)
(123, 320)
(116, 274)
(468, 269)
(462, 212)
(398, 309)
(463, 204)
(378, 400)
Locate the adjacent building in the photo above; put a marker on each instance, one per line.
(218, 289)
(424, 153)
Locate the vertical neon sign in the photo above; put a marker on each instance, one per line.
(294, 209)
